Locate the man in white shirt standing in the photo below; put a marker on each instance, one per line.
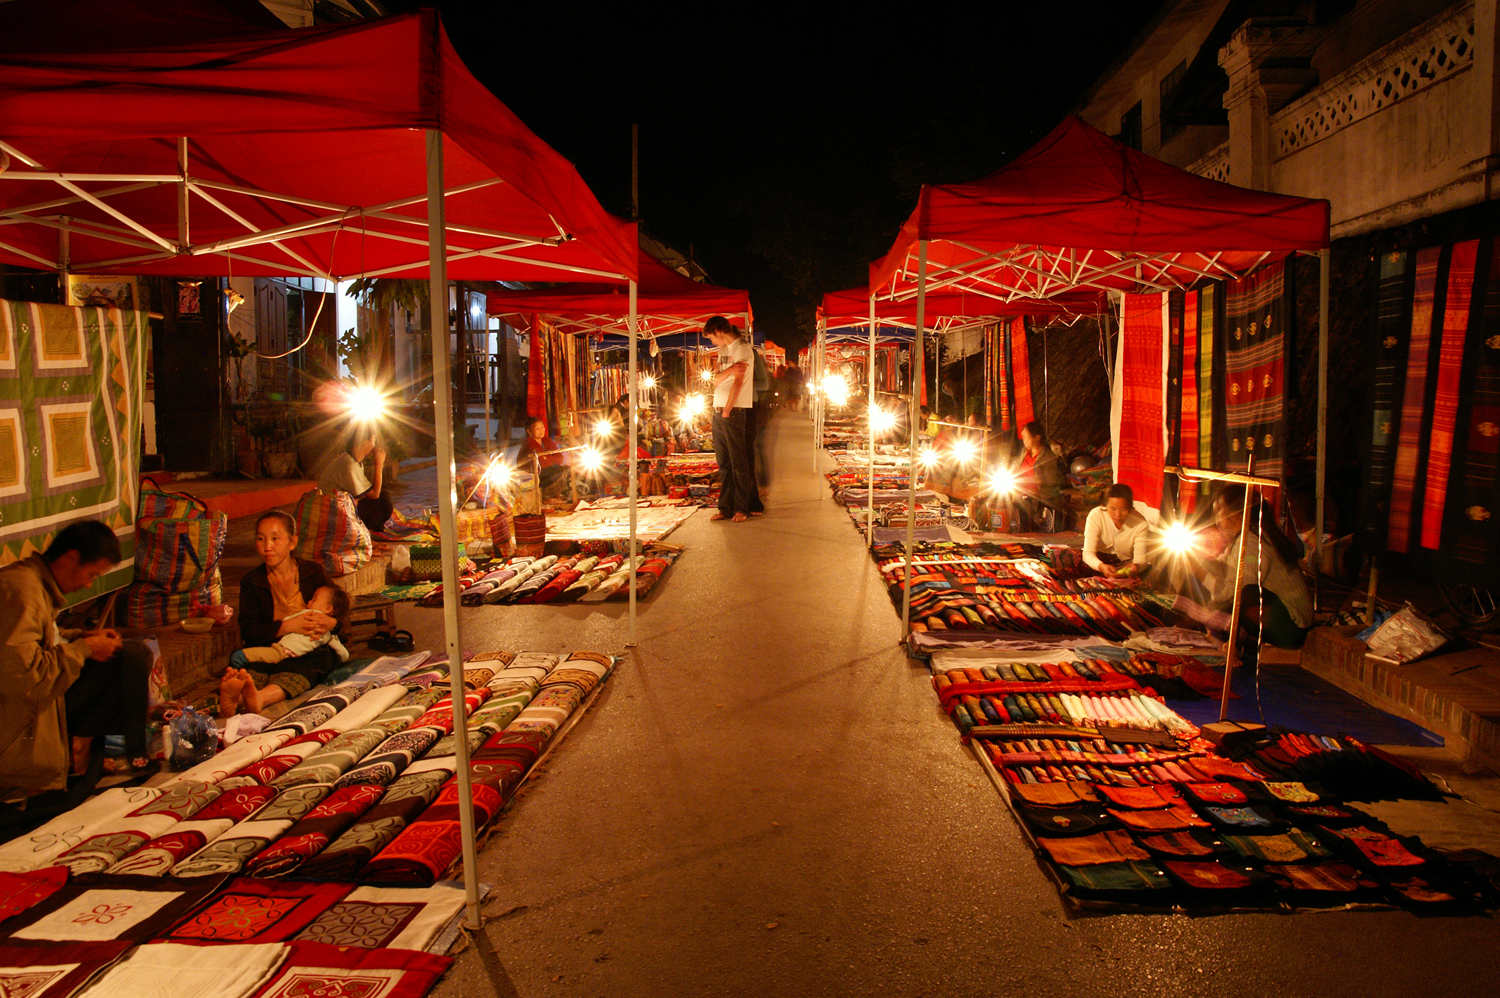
(734, 395)
(1114, 536)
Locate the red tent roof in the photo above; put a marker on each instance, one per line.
(1081, 209)
(852, 307)
(317, 134)
(666, 302)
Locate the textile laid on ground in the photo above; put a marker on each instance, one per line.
(1129, 806)
(43, 846)
(70, 427)
(1016, 593)
(385, 918)
(118, 839)
(318, 970)
(177, 970)
(54, 972)
(98, 907)
(248, 910)
(19, 891)
(427, 846)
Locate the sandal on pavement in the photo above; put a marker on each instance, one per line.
(379, 641)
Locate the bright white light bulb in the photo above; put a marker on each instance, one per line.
(706, 374)
(1002, 481)
(590, 459)
(965, 450)
(365, 403)
(880, 420)
(1178, 538)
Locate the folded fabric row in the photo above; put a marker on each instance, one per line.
(587, 578)
(1203, 832)
(356, 783)
(1128, 805)
(103, 935)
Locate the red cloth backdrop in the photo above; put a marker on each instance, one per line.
(1404, 475)
(536, 382)
(1021, 366)
(1445, 397)
(1141, 453)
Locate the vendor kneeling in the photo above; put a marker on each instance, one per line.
(54, 684)
(1274, 603)
(1114, 536)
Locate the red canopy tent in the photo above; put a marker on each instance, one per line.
(293, 152)
(367, 149)
(666, 302)
(953, 310)
(1082, 210)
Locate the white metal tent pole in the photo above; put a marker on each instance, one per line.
(911, 436)
(1324, 266)
(632, 486)
(487, 446)
(870, 482)
(437, 308)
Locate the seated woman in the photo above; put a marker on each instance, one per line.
(1274, 601)
(275, 601)
(541, 446)
(1039, 479)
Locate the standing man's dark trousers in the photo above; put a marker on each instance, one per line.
(374, 511)
(109, 698)
(732, 451)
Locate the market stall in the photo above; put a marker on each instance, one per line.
(1083, 211)
(365, 150)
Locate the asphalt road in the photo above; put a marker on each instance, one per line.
(765, 800)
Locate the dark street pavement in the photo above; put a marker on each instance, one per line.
(766, 800)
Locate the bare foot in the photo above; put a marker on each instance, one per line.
(250, 694)
(231, 692)
(738, 518)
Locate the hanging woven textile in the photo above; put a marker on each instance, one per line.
(1187, 449)
(536, 373)
(1392, 330)
(1140, 459)
(1470, 549)
(989, 376)
(1002, 377)
(1021, 372)
(1413, 418)
(1256, 315)
(1211, 432)
(1172, 400)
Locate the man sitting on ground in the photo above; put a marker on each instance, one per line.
(54, 684)
(346, 473)
(1114, 536)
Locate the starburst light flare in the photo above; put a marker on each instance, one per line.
(881, 421)
(1002, 481)
(366, 404)
(1178, 538)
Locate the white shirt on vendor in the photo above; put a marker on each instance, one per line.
(1265, 566)
(344, 474)
(738, 352)
(1126, 542)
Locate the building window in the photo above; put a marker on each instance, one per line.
(1169, 85)
(1130, 127)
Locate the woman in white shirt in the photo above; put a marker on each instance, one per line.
(1275, 601)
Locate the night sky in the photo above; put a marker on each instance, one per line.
(786, 154)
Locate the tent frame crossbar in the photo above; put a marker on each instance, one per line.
(338, 217)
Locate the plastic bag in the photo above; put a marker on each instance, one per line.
(190, 738)
(1406, 636)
